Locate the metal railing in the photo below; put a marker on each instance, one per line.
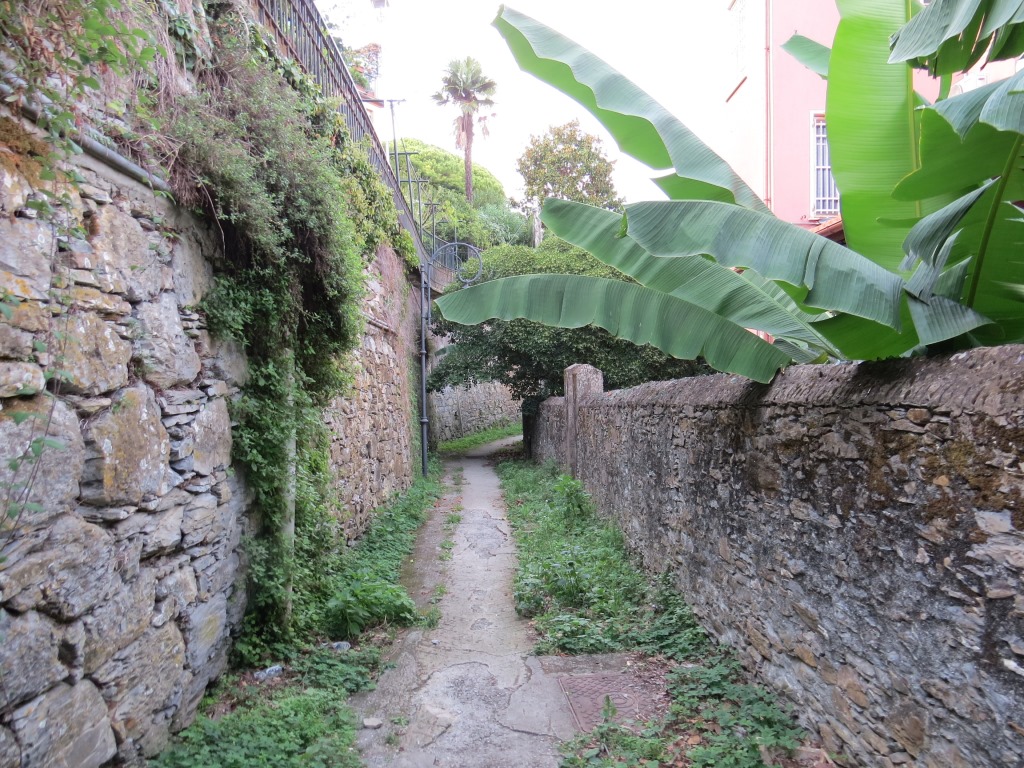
(301, 33)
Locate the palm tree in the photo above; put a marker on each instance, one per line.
(466, 86)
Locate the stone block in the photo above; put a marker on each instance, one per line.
(94, 300)
(10, 752)
(95, 357)
(20, 378)
(143, 683)
(127, 450)
(56, 472)
(227, 361)
(29, 657)
(25, 248)
(159, 532)
(167, 356)
(14, 343)
(66, 573)
(179, 586)
(205, 628)
(119, 620)
(212, 446)
(193, 273)
(67, 727)
(122, 260)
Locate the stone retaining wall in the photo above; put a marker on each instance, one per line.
(120, 582)
(459, 411)
(856, 531)
(373, 430)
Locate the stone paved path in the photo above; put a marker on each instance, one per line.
(467, 694)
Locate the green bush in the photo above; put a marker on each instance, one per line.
(586, 594)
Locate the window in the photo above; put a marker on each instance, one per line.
(825, 195)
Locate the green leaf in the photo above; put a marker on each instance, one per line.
(626, 310)
(20, 417)
(871, 129)
(930, 240)
(837, 278)
(758, 305)
(949, 36)
(641, 127)
(811, 54)
(989, 231)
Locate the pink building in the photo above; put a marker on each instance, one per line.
(775, 108)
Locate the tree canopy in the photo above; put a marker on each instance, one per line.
(569, 164)
(930, 207)
(486, 222)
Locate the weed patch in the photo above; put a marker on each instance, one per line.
(301, 719)
(301, 723)
(587, 594)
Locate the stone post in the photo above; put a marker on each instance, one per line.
(580, 381)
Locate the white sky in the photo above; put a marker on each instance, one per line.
(665, 46)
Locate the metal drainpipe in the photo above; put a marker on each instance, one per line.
(88, 144)
(424, 318)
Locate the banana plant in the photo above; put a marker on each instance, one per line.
(950, 36)
(970, 250)
(840, 302)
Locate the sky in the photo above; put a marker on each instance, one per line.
(662, 45)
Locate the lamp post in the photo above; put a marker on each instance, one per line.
(453, 256)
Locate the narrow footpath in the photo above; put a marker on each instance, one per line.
(467, 693)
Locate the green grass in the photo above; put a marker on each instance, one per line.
(461, 445)
(587, 594)
(302, 719)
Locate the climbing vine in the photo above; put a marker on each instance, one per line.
(300, 211)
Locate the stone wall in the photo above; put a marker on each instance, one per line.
(119, 582)
(856, 531)
(373, 429)
(459, 411)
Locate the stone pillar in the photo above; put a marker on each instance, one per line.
(580, 381)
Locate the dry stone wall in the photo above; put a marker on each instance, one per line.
(459, 411)
(373, 429)
(120, 582)
(856, 531)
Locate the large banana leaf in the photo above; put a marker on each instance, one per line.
(922, 323)
(837, 278)
(744, 299)
(950, 36)
(975, 141)
(810, 53)
(640, 126)
(627, 310)
(871, 129)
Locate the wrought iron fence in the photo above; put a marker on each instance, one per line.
(302, 34)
